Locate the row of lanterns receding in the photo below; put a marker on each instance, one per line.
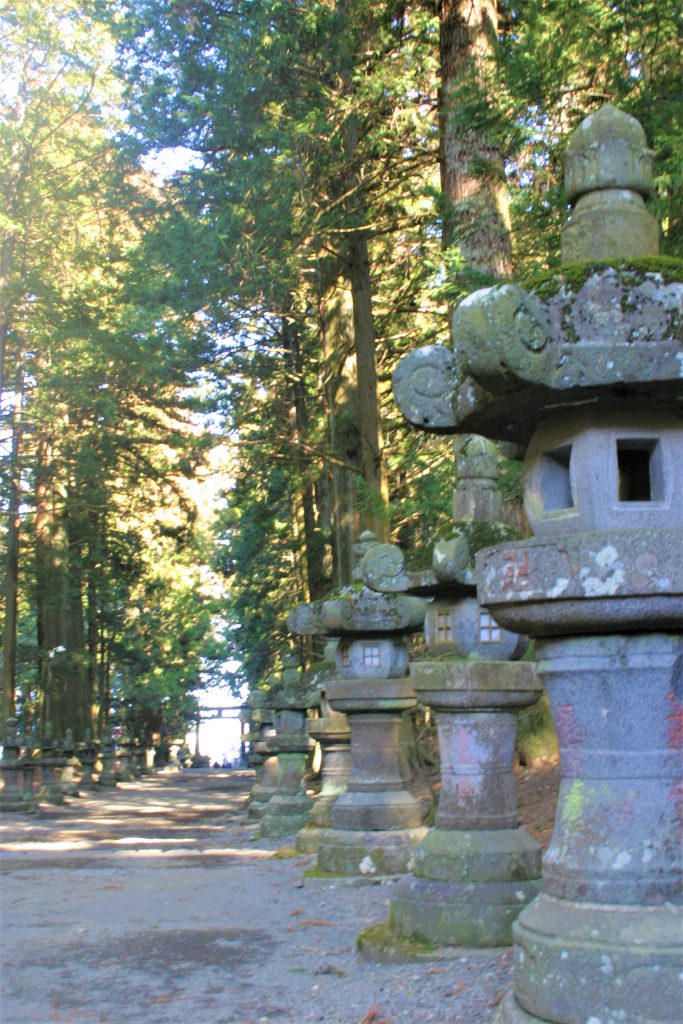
(587, 372)
(42, 768)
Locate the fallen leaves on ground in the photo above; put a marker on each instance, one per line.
(375, 1015)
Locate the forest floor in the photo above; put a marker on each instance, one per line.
(158, 901)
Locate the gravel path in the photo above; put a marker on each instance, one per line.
(157, 902)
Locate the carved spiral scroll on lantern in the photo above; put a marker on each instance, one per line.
(424, 382)
(384, 569)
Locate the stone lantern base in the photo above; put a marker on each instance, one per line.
(368, 854)
(467, 888)
(477, 868)
(333, 734)
(377, 823)
(265, 787)
(288, 810)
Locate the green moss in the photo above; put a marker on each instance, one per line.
(286, 852)
(315, 873)
(574, 275)
(382, 939)
(478, 535)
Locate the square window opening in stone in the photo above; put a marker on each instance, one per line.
(370, 655)
(444, 625)
(639, 470)
(556, 487)
(489, 630)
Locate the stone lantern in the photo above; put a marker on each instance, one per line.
(377, 822)
(477, 868)
(587, 369)
(288, 809)
(15, 772)
(262, 757)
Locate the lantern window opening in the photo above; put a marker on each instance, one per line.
(555, 480)
(371, 656)
(345, 658)
(489, 631)
(444, 625)
(639, 470)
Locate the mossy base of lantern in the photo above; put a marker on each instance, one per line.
(107, 778)
(477, 868)
(332, 732)
(288, 809)
(16, 773)
(367, 855)
(265, 786)
(576, 961)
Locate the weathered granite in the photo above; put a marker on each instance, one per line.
(375, 822)
(331, 730)
(475, 870)
(15, 772)
(601, 586)
(521, 358)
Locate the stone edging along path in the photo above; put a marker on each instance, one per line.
(157, 901)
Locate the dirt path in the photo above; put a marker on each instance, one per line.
(156, 901)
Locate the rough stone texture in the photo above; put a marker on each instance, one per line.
(636, 471)
(592, 582)
(453, 627)
(608, 150)
(521, 359)
(333, 734)
(376, 796)
(608, 173)
(476, 869)
(373, 854)
(365, 612)
(603, 943)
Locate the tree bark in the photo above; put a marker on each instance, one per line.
(11, 586)
(476, 216)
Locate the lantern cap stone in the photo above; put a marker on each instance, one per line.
(608, 150)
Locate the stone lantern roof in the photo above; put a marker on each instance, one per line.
(608, 327)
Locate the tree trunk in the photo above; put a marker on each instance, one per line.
(11, 587)
(476, 216)
(339, 382)
(315, 580)
(374, 514)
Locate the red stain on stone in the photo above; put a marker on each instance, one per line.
(516, 570)
(675, 720)
(570, 733)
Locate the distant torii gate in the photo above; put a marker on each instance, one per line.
(209, 714)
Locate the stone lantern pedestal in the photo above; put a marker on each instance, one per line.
(267, 775)
(377, 822)
(52, 764)
(15, 773)
(331, 731)
(477, 867)
(288, 809)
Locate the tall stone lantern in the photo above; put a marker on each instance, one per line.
(377, 822)
(587, 369)
(477, 868)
